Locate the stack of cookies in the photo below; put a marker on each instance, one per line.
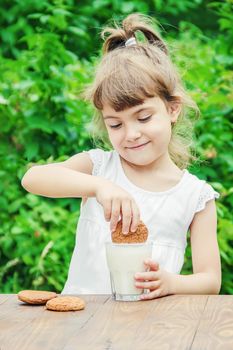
(51, 300)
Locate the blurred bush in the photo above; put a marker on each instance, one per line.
(47, 55)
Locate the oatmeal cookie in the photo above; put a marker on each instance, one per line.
(140, 236)
(36, 297)
(66, 303)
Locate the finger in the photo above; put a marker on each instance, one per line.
(147, 276)
(152, 285)
(114, 214)
(154, 266)
(135, 216)
(107, 205)
(126, 216)
(152, 295)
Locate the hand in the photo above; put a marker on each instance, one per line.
(158, 281)
(117, 202)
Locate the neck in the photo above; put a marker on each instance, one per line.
(160, 165)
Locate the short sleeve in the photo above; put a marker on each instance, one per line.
(97, 158)
(207, 194)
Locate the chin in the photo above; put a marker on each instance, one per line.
(140, 161)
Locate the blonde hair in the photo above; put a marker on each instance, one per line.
(127, 75)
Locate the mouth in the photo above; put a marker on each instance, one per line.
(138, 146)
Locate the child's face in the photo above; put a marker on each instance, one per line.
(141, 134)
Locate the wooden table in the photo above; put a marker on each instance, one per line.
(174, 322)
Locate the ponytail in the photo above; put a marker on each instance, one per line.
(131, 26)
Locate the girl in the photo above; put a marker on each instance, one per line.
(142, 108)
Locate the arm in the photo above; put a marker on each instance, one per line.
(206, 277)
(71, 178)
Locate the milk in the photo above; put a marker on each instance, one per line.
(124, 260)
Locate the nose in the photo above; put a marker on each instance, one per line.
(132, 133)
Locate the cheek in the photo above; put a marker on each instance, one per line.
(114, 137)
(161, 132)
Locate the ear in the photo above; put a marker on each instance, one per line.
(174, 110)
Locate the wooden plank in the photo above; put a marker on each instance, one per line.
(142, 325)
(13, 306)
(114, 324)
(33, 327)
(15, 316)
(172, 323)
(215, 330)
(5, 297)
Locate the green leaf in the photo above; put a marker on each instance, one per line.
(31, 150)
(39, 123)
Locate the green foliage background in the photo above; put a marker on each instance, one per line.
(47, 53)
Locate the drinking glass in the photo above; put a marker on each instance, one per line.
(124, 260)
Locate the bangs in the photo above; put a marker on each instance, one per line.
(124, 88)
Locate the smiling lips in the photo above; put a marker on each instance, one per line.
(139, 146)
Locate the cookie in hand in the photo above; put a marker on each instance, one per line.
(139, 236)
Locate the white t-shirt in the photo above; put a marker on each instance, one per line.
(167, 215)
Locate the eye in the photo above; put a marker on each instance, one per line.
(115, 126)
(142, 120)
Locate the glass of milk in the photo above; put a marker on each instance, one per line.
(124, 260)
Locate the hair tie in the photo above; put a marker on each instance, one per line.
(131, 41)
